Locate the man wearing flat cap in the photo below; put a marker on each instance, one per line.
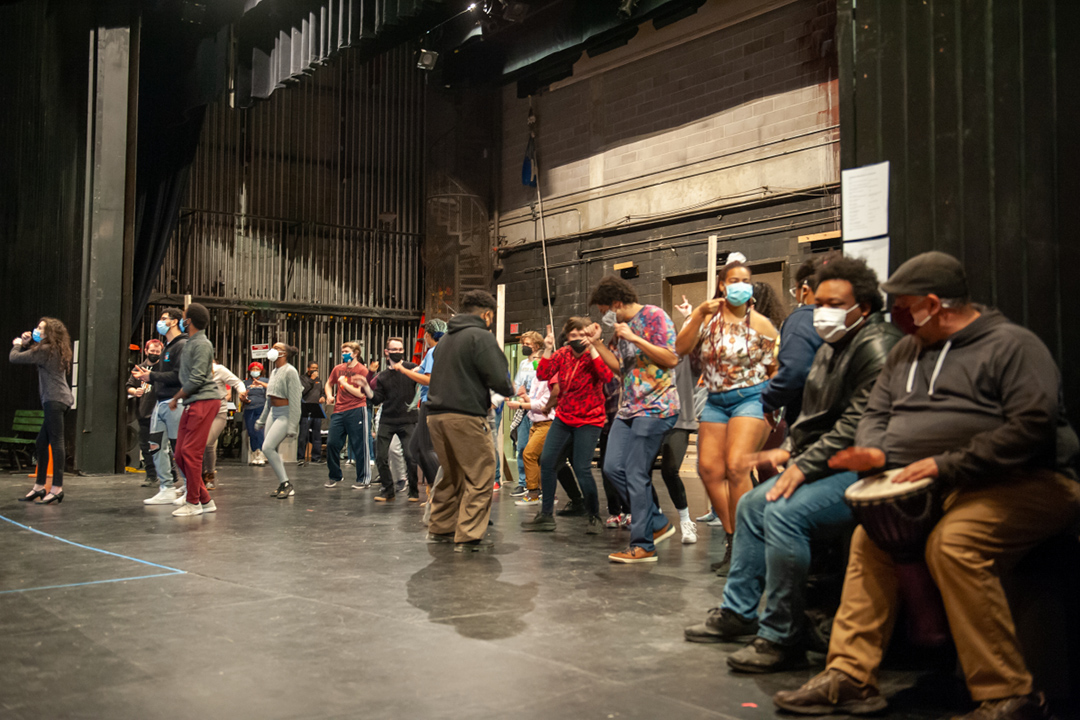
(973, 400)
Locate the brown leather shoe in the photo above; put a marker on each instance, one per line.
(633, 554)
(1021, 707)
(831, 692)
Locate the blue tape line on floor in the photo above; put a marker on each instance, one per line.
(92, 582)
(172, 571)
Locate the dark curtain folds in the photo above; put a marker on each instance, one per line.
(182, 68)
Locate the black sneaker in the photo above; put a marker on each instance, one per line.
(573, 509)
(332, 484)
(284, 490)
(150, 482)
(300, 463)
(385, 498)
(440, 537)
(595, 526)
(540, 523)
(765, 656)
(721, 625)
(474, 545)
(520, 492)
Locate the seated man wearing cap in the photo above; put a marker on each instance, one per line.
(972, 400)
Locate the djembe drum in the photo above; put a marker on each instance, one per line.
(899, 518)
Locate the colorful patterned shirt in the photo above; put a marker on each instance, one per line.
(647, 388)
(733, 355)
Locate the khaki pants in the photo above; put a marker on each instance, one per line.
(982, 534)
(537, 435)
(461, 502)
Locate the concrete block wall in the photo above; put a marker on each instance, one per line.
(731, 120)
(748, 110)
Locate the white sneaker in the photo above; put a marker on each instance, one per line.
(179, 491)
(180, 499)
(211, 507)
(689, 532)
(527, 501)
(188, 509)
(164, 497)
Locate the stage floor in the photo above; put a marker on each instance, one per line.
(329, 605)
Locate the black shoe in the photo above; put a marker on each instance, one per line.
(150, 482)
(573, 508)
(300, 463)
(474, 545)
(284, 490)
(721, 625)
(765, 656)
(440, 537)
(318, 461)
(540, 523)
(595, 526)
(33, 495)
(721, 568)
(57, 496)
(385, 498)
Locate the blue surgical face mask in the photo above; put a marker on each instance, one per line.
(36, 335)
(162, 327)
(256, 373)
(347, 357)
(739, 293)
(183, 325)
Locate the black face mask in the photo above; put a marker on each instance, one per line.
(578, 346)
(526, 351)
(152, 358)
(396, 357)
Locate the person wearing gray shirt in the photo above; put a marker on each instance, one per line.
(49, 347)
(281, 413)
(201, 404)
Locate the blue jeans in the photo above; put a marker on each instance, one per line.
(584, 438)
(522, 441)
(771, 551)
(351, 423)
(496, 438)
(632, 444)
(164, 428)
(255, 435)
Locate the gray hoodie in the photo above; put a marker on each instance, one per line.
(984, 404)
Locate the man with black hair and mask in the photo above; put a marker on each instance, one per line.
(143, 392)
(394, 391)
(165, 420)
(973, 401)
(471, 365)
(777, 520)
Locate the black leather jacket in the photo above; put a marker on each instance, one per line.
(835, 396)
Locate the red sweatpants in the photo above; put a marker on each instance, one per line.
(191, 443)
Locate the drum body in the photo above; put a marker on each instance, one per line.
(898, 518)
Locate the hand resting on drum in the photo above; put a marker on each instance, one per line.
(925, 468)
(860, 459)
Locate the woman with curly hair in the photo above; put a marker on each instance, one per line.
(49, 347)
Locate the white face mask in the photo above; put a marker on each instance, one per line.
(609, 318)
(831, 323)
(272, 355)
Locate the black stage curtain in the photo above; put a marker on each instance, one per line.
(182, 68)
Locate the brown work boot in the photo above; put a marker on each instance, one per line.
(1021, 707)
(831, 692)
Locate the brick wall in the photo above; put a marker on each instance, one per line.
(731, 122)
(749, 106)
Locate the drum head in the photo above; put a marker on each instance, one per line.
(881, 487)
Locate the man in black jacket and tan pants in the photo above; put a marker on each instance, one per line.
(471, 365)
(972, 400)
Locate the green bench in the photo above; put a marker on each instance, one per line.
(24, 431)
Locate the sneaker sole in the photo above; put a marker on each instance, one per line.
(689, 540)
(628, 561)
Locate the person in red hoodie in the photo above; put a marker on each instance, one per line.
(580, 417)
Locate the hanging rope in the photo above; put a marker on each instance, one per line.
(540, 210)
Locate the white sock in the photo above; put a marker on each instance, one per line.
(684, 514)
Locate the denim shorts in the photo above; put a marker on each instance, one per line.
(744, 402)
